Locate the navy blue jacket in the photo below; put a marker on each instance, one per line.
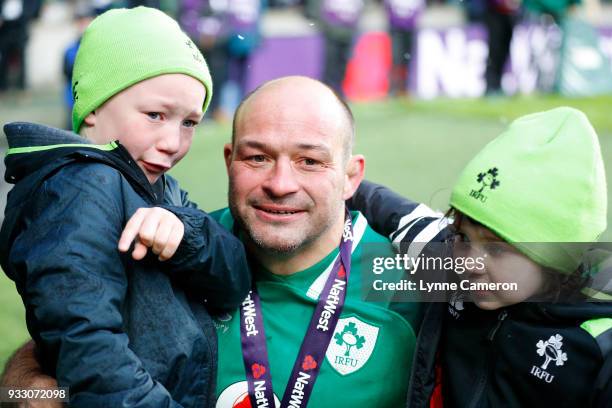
(119, 333)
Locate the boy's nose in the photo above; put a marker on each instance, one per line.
(170, 140)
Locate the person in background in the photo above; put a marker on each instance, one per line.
(556, 9)
(402, 16)
(83, 15)
(338, 21)
(549, 16)
(227, 33)
(245, 37)
(15, 19)
(500, 18)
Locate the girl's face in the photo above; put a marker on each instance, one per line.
(502, 264)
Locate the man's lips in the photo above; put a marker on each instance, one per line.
(278, 212)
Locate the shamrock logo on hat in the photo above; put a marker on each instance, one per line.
(195, 52)
(75, 94)
(488, 179)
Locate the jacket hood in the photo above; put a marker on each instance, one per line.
(36, 151)
(33, 147)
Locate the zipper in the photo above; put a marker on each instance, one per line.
(500, 319)
(482, 380)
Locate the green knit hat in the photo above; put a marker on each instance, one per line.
(541, 181)
(125, 46)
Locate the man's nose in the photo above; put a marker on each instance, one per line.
(170, 140)
(281, 180)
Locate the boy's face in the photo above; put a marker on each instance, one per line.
(154, 120)
(503, 263)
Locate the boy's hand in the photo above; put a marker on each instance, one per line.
(154, 228)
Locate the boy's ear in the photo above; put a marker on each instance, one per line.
(90, 119)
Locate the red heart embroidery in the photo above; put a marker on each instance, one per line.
(258, 370)
(309, 363)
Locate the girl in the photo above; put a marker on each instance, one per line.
(519, 206)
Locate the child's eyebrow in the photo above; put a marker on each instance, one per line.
(483, 232)
(490, 236)
(171, 105)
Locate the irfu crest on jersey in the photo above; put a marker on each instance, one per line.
(351, 345)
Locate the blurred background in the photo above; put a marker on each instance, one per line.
(430, 81)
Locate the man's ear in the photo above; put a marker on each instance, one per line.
(355, 172)
(228, 150)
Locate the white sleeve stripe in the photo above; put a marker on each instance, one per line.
(402, 234)
(419, 212)
(424, 237)
(404, 228)
(317, 286)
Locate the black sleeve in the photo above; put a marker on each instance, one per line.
(603, 383)
(210, 259)
(73, 284)
(396, 217)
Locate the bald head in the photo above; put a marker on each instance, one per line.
(293, 97)
(290, 169)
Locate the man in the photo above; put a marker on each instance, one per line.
(291, 168)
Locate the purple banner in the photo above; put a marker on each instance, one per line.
(283, 56)
(445, 62)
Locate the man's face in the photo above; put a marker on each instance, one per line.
(154, 120)
(287, 171)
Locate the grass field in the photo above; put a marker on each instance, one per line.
(416, 147)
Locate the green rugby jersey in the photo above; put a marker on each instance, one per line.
(369, 358)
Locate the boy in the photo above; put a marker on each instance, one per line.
(115, 331)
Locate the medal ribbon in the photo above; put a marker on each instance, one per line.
(312, 351)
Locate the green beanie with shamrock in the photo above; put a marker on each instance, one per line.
(125, 46)
(538, 185)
